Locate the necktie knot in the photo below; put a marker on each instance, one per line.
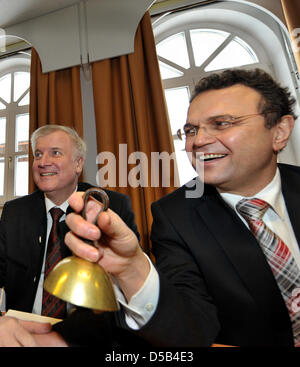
(56, 214)
(252, 209)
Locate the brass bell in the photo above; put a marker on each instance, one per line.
(79, 281)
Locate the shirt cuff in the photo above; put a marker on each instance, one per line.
(142, 304)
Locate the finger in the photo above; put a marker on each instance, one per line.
(13, 334)
(24, 338)
(36, 327)
(81, 249)
(52, 339)
(112, 225)
(82, 228)
(10, 341)
(76, 201)
(92, 209)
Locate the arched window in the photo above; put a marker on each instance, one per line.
(14, 127)
(194, 43)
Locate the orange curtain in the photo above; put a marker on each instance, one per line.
(291, 10)
(55, 98)
(130, 109)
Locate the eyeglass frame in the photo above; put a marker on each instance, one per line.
(236, 120)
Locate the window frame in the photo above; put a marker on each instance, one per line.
(11, 65)
(195, 73)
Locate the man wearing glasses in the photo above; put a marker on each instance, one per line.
(227, 263)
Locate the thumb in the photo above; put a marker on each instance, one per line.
(112, 225)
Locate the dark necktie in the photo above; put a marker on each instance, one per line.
(280, 259)
(51, 305)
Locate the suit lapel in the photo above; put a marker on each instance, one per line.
(38, 216)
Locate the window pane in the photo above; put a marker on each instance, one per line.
(205, 42)
(174, 49)
(2, 134)
(21, 175)
(22, 80)
(186, 170)
(2, 166)
(247, 49)
(24, 101)
(178, 103)
(167, 72)
(2, 106)
(236, 53)
(22, 132)
(5, 87)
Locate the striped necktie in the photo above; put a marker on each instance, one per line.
(51, 305)
(279, 257)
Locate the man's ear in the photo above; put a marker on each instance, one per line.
(282, 132)
(79, 165)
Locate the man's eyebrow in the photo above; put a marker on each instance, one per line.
(211, 118)
(220, 116)
(52, 149)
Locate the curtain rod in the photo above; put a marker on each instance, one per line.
(185, 7)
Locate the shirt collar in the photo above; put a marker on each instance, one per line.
(271, 194)
(49, 204)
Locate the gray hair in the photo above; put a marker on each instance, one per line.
(79, 143)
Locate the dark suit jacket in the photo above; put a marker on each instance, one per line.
(23, 229)
(215, 282)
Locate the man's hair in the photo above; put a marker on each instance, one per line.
(79, 143)
(274, 97)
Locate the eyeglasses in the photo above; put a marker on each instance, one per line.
(215, 125)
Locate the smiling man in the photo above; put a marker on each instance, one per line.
(57, 164)
(228, 127)
(227, 262)
(232, 256)
(27, 226)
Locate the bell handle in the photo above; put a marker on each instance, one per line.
(105, 204)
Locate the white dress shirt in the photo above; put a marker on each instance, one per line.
(142, 304)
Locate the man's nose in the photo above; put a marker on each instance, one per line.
(44, 160)
(204, 137)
